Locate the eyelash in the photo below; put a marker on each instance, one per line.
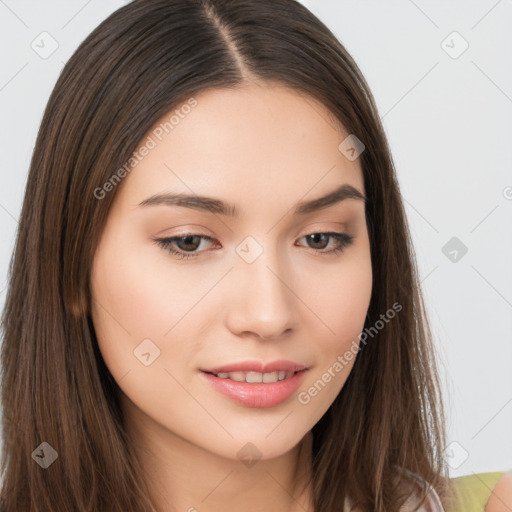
(343, 239)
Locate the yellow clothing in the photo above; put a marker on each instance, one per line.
(473, 491)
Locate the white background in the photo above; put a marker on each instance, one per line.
(449, 123)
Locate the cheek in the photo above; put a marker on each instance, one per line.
(134, 293)
(341, 298)
(342, 306)
(128, 305)
(137, 310)
(139, 295)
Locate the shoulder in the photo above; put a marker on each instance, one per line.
(500, 499)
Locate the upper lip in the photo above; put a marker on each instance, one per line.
(257, 366)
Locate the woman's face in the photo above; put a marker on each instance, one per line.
(255, 286)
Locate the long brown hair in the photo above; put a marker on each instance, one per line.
(138, 64)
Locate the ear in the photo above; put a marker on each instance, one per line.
(500, 499)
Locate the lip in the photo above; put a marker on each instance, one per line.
(258, 366)
(258, 395)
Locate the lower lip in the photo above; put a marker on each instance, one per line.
(257, 395)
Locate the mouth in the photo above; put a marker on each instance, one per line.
(256, 389)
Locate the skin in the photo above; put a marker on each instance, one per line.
(500, 499)
(264, 148)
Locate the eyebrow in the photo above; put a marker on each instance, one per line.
(217, 206)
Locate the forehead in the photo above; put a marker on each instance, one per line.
(257, 141)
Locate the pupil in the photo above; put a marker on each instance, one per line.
(315, 236)
(187, 239)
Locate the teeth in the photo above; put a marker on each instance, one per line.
(255, 377)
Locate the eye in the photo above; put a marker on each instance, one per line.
(188, 242)
(185, 246)
(342, 241)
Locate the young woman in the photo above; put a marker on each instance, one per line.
(213, 301)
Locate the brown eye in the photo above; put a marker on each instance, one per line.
(319, 241)
(186, 244)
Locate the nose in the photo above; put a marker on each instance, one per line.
(262, 301)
